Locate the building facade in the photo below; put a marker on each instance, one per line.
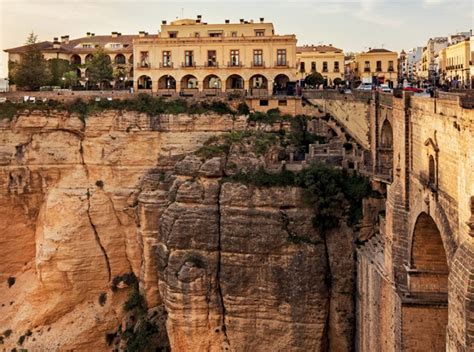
(378, 66)
(79, 52)
(456, 65)
(189, 57)
(414, 58)
(325, 59)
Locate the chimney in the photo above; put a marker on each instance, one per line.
(56, 43)
(241, 20)
(92, 34)
(88, 34)
(65, 39)
(114, 34)
(227, 21)
(163, 22)
(199, 17)
(262, 19)
(251, 21)
(198, 21)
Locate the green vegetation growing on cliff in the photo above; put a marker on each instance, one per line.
(332, 193)
(142, 103)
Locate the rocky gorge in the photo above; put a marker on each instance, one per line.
(131, 231)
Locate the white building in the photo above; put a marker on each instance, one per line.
(3, 85)
(413, 59)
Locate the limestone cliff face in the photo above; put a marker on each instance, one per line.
(84, 203)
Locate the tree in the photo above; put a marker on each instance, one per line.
(314, 79)
(337, 81)
(70, 79)
(99, 68)
(120, 75)
(58, 67)
(32, 72)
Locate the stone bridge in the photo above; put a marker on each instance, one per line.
(416, 273)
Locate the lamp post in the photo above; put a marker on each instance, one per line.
(63, 79)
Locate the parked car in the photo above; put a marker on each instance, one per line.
(413, 89)
(385, 88)
(365, 87)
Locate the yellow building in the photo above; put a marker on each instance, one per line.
(455, 64)
(425, 64)
(377, 66)
(325, 59)
(79, 51)
(191, 56)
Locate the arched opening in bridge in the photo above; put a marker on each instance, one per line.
(386, 149)
(167, 82)
(212, 82)
(144, 82)
(424, 310)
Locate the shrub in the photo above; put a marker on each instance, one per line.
(243, 109)
(102, 299)
(99, 183)
(11, 281)
(7, 332)
(135, 302)
(21, 339)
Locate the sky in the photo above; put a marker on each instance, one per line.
(353, 25)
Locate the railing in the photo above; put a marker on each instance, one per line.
(166, 65)
(189, 91)
(143, 65)
(336, 70)
(366, 69)
(258, 64)
(211, 64)
(235, 64)
(282, 64)
(188, 64)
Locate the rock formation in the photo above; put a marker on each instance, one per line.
(84, 203)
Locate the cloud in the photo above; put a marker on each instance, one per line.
(368, 12)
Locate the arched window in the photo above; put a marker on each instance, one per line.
(432, 171)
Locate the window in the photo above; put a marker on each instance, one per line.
(282, 103)
(259, 33)
(166, 58)
(325, 66)
(281, 57)
(87, 46)
(188, 58)
(233, 34)
(313, 66)
(263, 102)
(336, 66)
(144, 59)
(115, 46)
(367, 66)
(234, 58)
(196, 35)
(215, 35)
(258, 57)
(211, 58)
(390, 65)
(173, 34)
(379, 66)
(302, 67)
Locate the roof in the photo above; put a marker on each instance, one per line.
(70, 47)
(317, 48)
(379, 51)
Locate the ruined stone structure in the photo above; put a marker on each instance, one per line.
(415, 275)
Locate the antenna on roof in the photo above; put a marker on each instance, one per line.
(383, 45)
(182, 12)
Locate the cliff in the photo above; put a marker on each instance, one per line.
(85, 205)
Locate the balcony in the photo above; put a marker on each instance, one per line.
(211, 64)
(367, 69)
(258, 64)
(166, 65)
(325, 70)
(378, 69)
(235, 64)
(188, 65)
(390, 69)
(336, 70)
(143, 65)
(282, 64)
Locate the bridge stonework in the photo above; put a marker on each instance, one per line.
(416, 274)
